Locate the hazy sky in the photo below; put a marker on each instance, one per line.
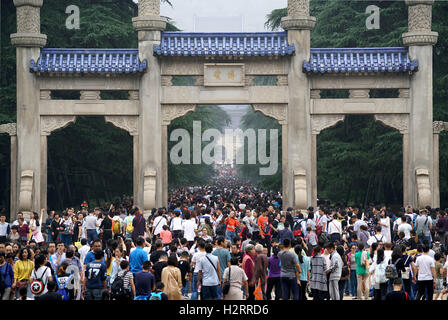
(221, 15)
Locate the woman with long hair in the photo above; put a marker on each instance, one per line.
(22, 271)
(172, 279)
(63, 278)
(378, 270)
(118, 257)
(305, 265)
(106, 228)
(139, 224)
(40, 272)
(35, 226)
(344, 274)
(318, 279)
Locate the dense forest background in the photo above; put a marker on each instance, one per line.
(358, 160)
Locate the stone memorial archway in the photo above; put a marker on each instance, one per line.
(225, 68)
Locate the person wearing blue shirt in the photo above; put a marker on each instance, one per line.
(137, 257)
(90, 256)
(95, 277)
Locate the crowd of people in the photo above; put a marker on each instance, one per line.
(225, 241)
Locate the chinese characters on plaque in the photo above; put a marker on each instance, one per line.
(224, 75)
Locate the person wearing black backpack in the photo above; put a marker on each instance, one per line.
(123, 287)
(40, 276)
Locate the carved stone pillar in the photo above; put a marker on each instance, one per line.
(28, 40)
(28, 24)
(420, 40)
(149, 25)
(11, 129)
(400, 122)
(149, 17)
(438, 126)
(419, 24)
(299, 24)
(130, 124)
(298, 16)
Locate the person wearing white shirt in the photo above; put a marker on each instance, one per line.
(176, 225)
(357, 225)
(321, 220)
(388, 251)
(91, 224)
(249, 220)
(405, 227)
(335, 229)
(16, 222)
(426, 273)
(158, 224)
(83, 250)
(5, 229)
(378, 237)
(190, 228)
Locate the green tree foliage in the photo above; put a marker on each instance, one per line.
(359, 160)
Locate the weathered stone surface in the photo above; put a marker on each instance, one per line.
(28, 40)
(128, 123)
(300, 189)
(276, 111)
(90, 95)
(419, 38)
(359, 93)
(174, 111)
(298, 7)
(149, 7)
(149, 191)
(26, 190)
(321, 122)
(439, 126)
(9, 128)
(48, 124)
(149, 23)
(399, 122)
(298, 23)
(424, 197)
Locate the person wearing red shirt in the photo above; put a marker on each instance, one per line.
(231, 224)
(265, 230)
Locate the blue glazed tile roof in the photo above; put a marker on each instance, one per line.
(224, 44)
(357, 60)
(84, 61)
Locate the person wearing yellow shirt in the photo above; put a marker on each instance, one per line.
(22, 271)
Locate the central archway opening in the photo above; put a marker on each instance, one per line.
(225, 144)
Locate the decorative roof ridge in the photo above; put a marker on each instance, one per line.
(264, 33)
(88, 60)
(360, 60)
(360, 49)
